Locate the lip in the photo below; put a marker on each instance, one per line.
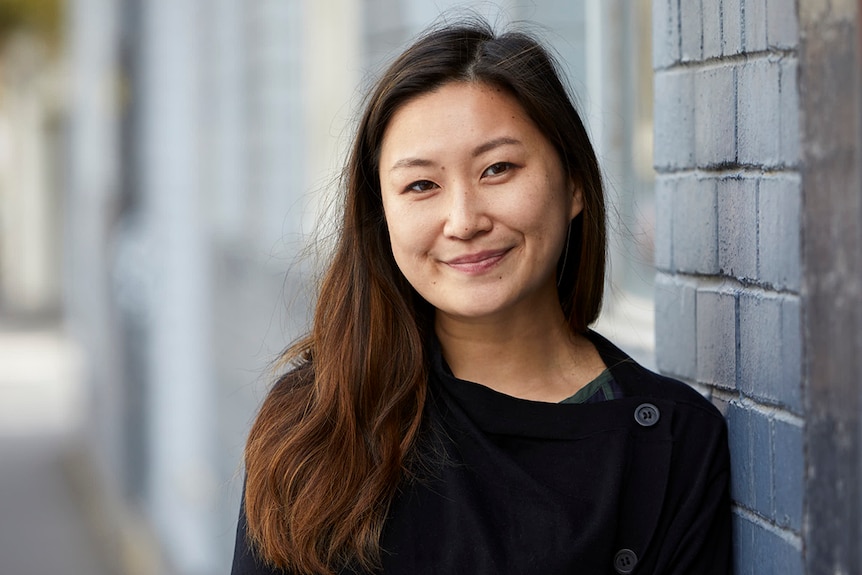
(477, 262)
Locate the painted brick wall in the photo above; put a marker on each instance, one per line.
(728, 199)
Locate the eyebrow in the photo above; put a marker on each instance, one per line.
(495, 143)
(477, 151)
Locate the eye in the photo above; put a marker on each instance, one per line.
(498, 169)
(421, 186)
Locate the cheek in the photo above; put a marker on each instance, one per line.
(399, 246)
(405, 238)
(411, 255)
(547, 221)
(410, 224)
(543, 213)
(410, 245)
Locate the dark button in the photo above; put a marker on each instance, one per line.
(625, 560)
(647, 414)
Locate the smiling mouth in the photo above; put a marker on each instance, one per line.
(478, 262)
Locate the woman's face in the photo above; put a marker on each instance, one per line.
(476, 201)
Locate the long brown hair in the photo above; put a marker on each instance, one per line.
(336, 434)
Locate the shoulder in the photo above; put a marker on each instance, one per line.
(680, 471)
(638, 381)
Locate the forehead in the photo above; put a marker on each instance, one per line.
(457, 112)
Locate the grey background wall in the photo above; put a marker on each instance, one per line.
(757, 294)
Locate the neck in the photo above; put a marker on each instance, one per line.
(534, 356)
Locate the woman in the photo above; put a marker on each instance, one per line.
(451, 411)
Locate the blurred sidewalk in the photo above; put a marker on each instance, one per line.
(43, 527)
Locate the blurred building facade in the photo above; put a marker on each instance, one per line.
(30, 146)
(204, 139)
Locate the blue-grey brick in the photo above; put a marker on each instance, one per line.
(674, 119)
(737, 227)
(711, 29)
(743, 546)
(761, 463)
(788, 469)
(665, 190)
(695, 226)
(791, 351)
(691, 31)
(779, 215)
(739, 440)
(758, 129)
(776, 555)
(665, 41)
(731, 27)
(754, 25)
(789, 116)
(716, 336)
(770, 348)
(758, 550)
(676, 344)
(749, 438)
(715, 115)
(759, 344)
(782, 26)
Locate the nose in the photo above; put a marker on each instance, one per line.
(467, 215)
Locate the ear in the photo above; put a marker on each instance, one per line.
(577, 192)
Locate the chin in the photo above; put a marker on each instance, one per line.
(472, 312)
